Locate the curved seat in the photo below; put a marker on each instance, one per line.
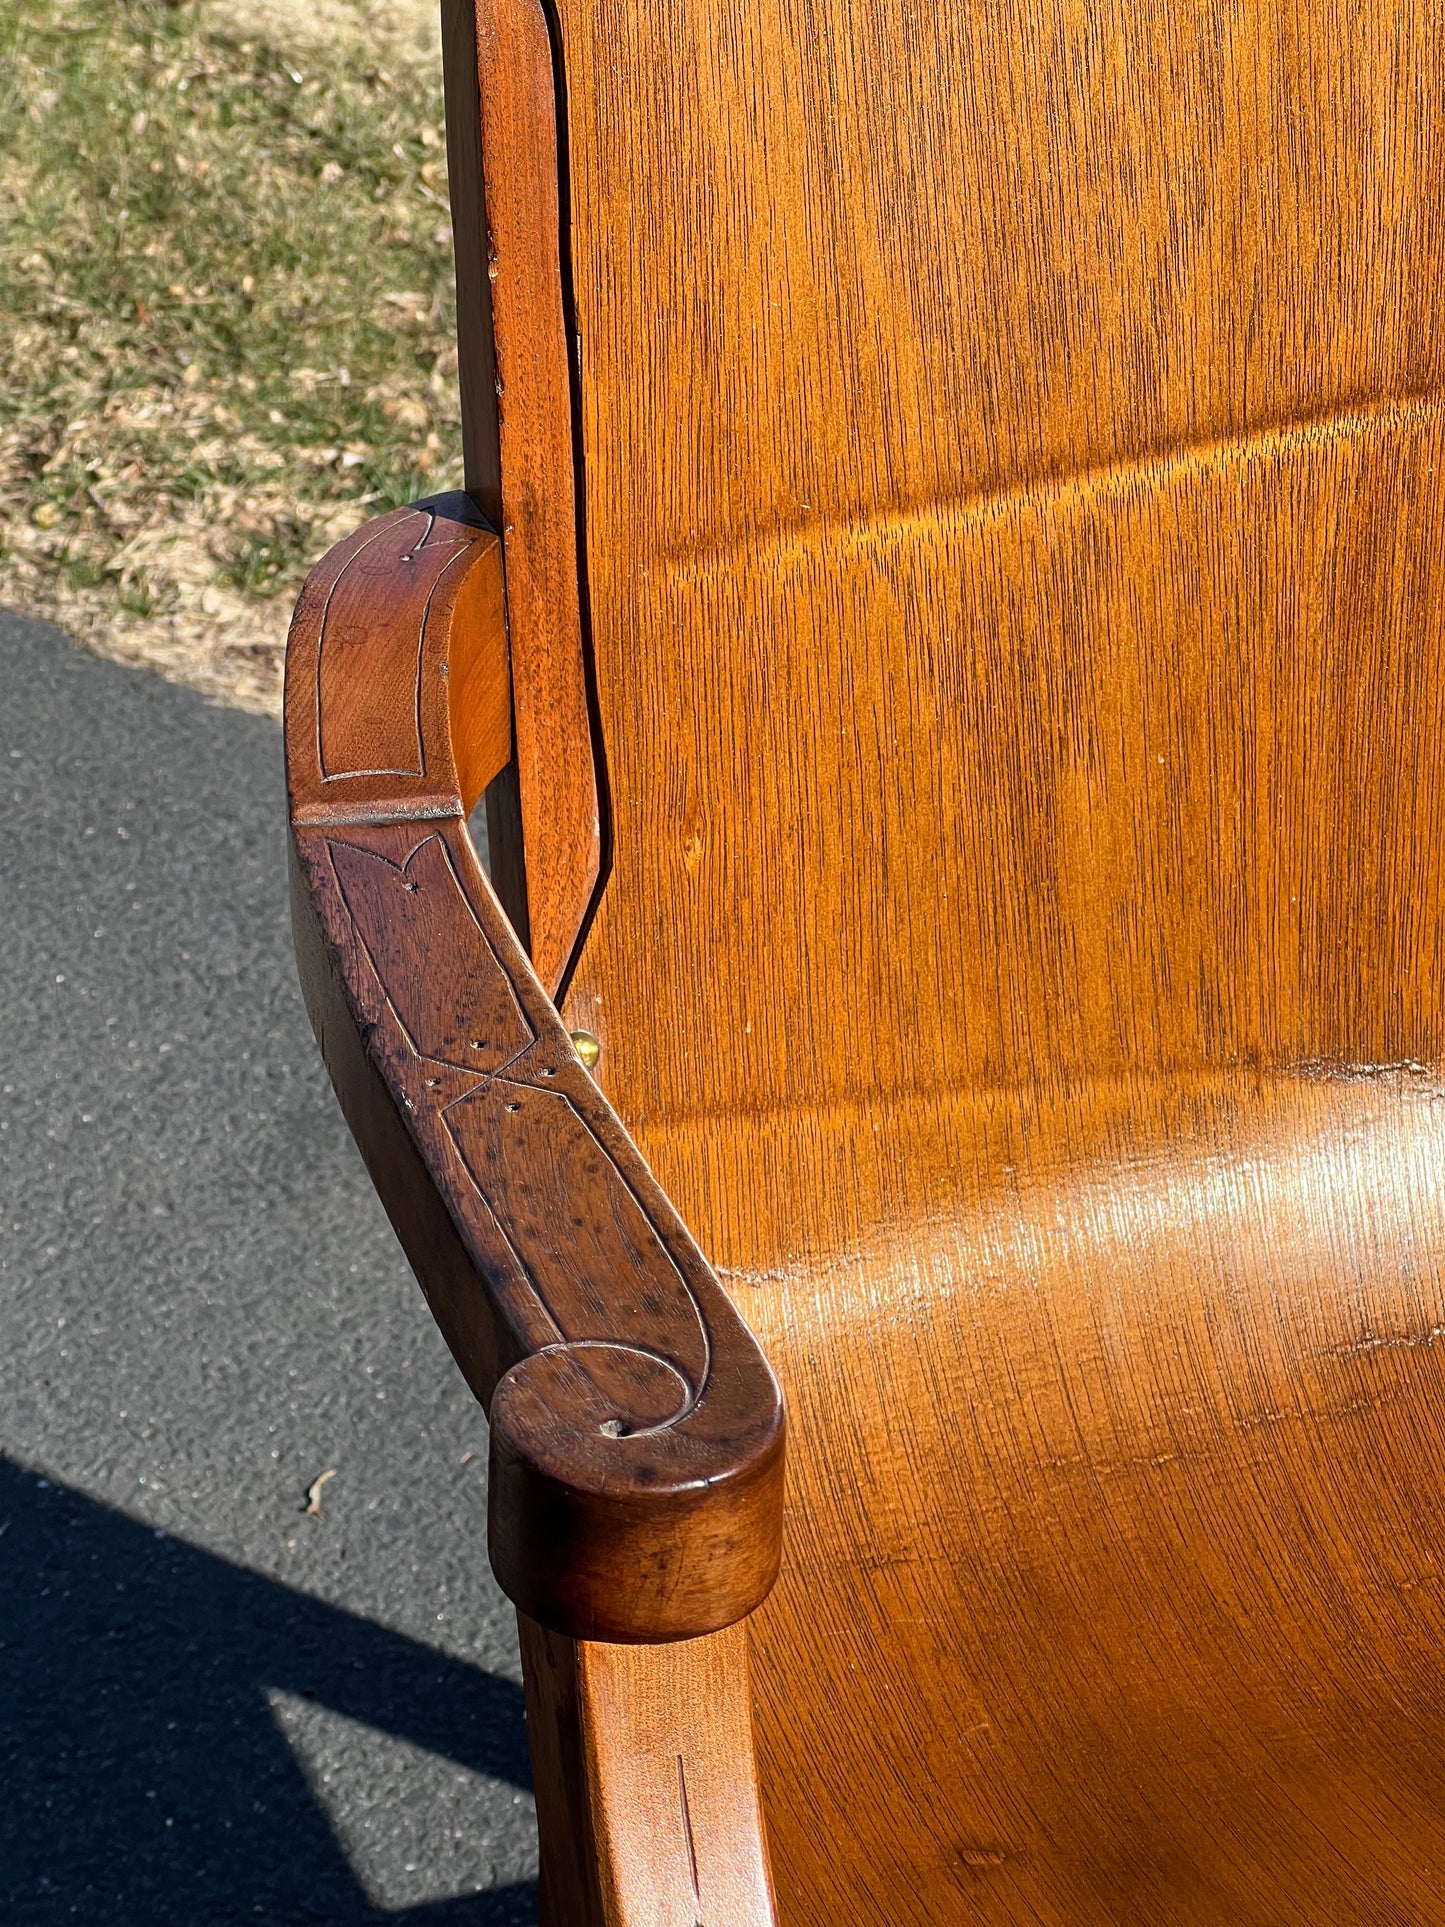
(1115, 1540)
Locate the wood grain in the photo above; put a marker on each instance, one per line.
(1013, 450)
(647, 1802)
(513, 341)
(636, 1430)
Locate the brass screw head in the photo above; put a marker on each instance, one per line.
(587, 1048)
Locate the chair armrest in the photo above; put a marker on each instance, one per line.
(637, 1430)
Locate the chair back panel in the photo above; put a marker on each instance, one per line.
(1014, 548)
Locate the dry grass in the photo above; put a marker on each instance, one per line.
(400, 33)
(225, 314)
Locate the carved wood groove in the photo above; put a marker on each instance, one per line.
(385, 724)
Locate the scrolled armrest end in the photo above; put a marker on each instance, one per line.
(667, 1531)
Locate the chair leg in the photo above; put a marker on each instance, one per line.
(647, 1795)
(569, 1893)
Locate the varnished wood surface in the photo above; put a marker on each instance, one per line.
(1013, 451)
(636, 1430)
(519, 440)
(647, 1803)
(975, 415)
(1114, 1552)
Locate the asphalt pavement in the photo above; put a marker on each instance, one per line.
(215, 1707)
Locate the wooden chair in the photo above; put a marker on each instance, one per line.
(957, 686)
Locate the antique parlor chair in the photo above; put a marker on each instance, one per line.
(946, 618)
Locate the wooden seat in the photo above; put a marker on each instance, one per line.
(958, 696)
(1114, 1535)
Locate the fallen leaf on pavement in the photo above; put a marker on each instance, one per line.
(313, 1492)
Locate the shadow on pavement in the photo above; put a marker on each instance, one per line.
(201, 1306)
(142, 1775)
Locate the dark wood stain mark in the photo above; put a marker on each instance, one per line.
(687, 1835)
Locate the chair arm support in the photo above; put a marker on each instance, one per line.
(636, 1429)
